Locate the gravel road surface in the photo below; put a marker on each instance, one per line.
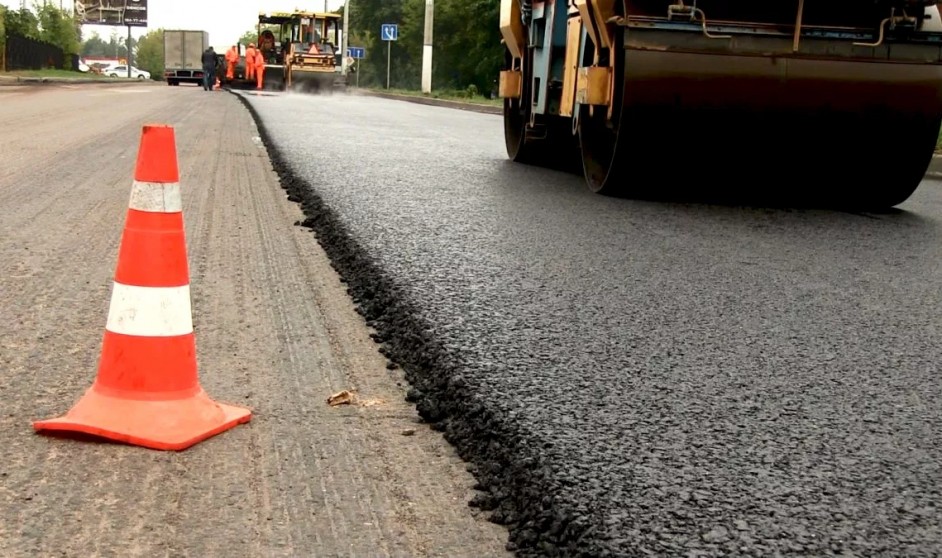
(275, 331)
(637, 378)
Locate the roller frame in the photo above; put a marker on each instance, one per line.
(898, 70)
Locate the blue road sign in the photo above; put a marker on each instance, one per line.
(357, 53)
(389, 32)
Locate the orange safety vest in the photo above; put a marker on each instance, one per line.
(232, 55)
(250, 53)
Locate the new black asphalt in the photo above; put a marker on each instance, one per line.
(632, 378)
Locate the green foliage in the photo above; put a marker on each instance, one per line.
(3, 27)
(59, 28)
(95, 47)
(114, 47)
(250, 36)
(466, 41)
(44, 22)
(22, 22)
(149, 55)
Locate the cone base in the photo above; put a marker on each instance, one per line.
(164, 425)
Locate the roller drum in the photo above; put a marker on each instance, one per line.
(858, 131)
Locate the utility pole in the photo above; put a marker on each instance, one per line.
(427, 49)
(129, 51)
(344, 43)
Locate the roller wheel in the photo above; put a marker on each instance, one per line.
(556, 149)
(516, 117)
(602, 157)
(891, 176)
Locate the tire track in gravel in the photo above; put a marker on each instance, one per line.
(316, 354)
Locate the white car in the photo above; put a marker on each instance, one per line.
(122, 71)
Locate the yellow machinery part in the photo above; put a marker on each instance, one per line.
(511, 27)
(593, 86)
(511, 84)
(595, 15)
(573, 34)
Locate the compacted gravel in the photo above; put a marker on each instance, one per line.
(275, 331)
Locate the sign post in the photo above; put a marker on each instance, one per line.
(389, 32)
(357, 54)
(344, 40)
(427, 47)
(130, 60)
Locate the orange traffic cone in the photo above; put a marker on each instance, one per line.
(147, 391)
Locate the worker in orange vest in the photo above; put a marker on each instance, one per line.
(250, 62)
(259, 67)
(232, 58)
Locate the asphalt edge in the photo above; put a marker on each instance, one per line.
(935, 167)
(25, 80)
(514, 485)
(473, 107)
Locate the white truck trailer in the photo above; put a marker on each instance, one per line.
(183, 53)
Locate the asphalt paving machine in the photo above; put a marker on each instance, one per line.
(301, 51)
(835, 98)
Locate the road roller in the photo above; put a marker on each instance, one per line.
(301, 53)
(832, 100)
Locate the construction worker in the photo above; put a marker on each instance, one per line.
(250, 62)
(232, 58)
(209, 68)
(259, 67)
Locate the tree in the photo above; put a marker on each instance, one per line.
(366, 17)
(250, 36)
(22, 22)
(466, 54)
(150, 53)
(58, 28)
(96, 47)
(3, 27)
(467, 47)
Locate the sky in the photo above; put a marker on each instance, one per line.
(225, 20)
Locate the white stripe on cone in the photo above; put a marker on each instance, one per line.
(150, 311)
(156, 197)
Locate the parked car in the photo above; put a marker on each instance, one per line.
(122, 71)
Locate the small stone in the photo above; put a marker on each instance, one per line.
(716, 535)
(408, 432)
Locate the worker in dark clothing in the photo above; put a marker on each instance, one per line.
(209, 68)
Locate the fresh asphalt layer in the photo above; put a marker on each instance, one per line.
(634, 378)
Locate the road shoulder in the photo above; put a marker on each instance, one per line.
(275, 331)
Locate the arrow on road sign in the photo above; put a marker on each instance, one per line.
(389, 32)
